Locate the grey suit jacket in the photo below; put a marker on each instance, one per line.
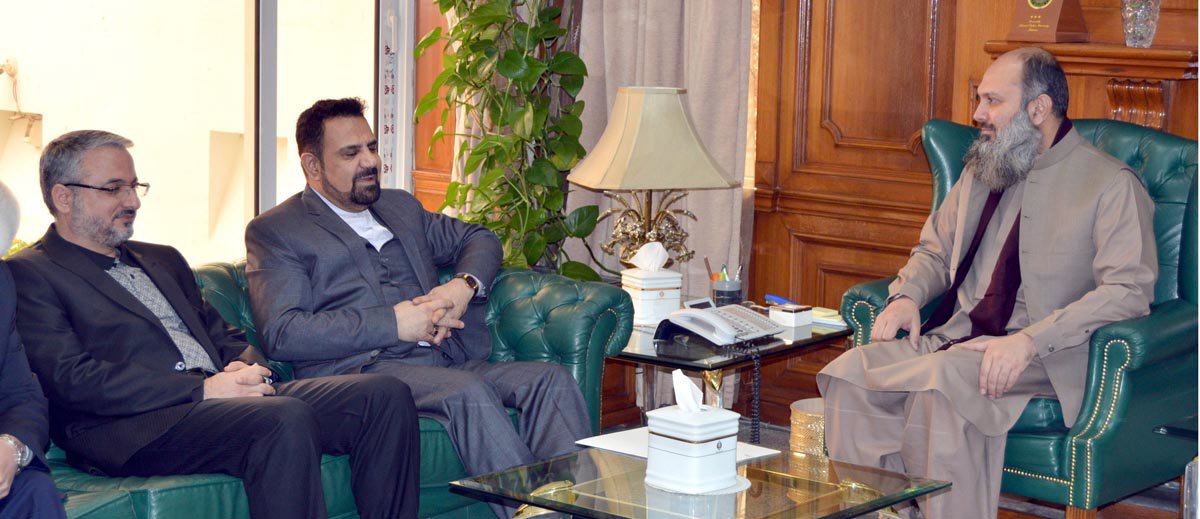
(315, 296)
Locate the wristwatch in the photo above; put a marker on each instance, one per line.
(471, 282)
(23, 454)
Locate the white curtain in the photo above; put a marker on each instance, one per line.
(704, 47)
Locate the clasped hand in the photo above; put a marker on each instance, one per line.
(239, 379)
(431, 317)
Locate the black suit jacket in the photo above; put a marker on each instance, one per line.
(315, 295)
(112, 373)
(22, 405)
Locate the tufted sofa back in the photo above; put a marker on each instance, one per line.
(1165, 162)
(532, 317)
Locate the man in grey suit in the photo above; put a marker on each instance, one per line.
(343, 279)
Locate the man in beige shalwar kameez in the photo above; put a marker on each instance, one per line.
(1022, 300)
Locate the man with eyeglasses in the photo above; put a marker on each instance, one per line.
(144, 378)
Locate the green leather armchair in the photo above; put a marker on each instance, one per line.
(1141, 372)
(532, 317)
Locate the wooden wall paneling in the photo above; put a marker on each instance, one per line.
(431, 172)
(845, 166)
(771, 67)
(981, 21)
(843, 183)
(618, 395)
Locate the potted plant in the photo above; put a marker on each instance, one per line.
(505, 67)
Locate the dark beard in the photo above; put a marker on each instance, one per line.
(364, 193)
(103, 232)
(361, 192)
(1005, 159)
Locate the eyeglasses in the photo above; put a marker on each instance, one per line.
(118, 190)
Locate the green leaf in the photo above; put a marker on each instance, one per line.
(582, 221)
(534, 248)
(521, 36)
(575, 108)
(563, 151)
(490, 177)
(474, 159)
(550, 31)
(554, 233)
(570, 124)
(542, 173)
(512, 65)
(523, 126)
(554, 200)
(567, 64)
(445, 5)
(577, 270)
(427, 103)
(495, 11)
(438, 134)
(451, 199)
(541, 110)
(429, 39)
(571, 84)
(535, 67)
(548, 14)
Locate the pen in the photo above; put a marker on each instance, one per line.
(708, 267)
(738, 277)
(724, 273)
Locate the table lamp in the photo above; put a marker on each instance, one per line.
(649, 145)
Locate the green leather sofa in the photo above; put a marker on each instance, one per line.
(1141, 373)
(532, 316)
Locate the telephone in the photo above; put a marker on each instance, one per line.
(725, 325)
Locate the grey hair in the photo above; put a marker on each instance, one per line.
(61, 158)
(10, 218)
(1041, 74)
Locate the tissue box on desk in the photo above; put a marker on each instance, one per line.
(692, 453)
(655, 294)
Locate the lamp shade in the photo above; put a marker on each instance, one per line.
(649, 143)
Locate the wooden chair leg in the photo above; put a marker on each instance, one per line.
(1080, 513)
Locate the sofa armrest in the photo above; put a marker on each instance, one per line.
(1141, 374)
(1167, 332)
(860, 305)
(551, 318)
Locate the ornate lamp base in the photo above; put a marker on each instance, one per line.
(638, 223)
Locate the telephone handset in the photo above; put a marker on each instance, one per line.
(725, 325)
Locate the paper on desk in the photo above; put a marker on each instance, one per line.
(634, 442)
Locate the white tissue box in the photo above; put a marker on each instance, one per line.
(655, 294)
(791, 315)
(692, 453)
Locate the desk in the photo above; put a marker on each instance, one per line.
(712, 362)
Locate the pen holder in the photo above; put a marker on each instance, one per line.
(726, 292)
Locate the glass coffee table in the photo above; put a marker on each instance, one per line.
(595, 483)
